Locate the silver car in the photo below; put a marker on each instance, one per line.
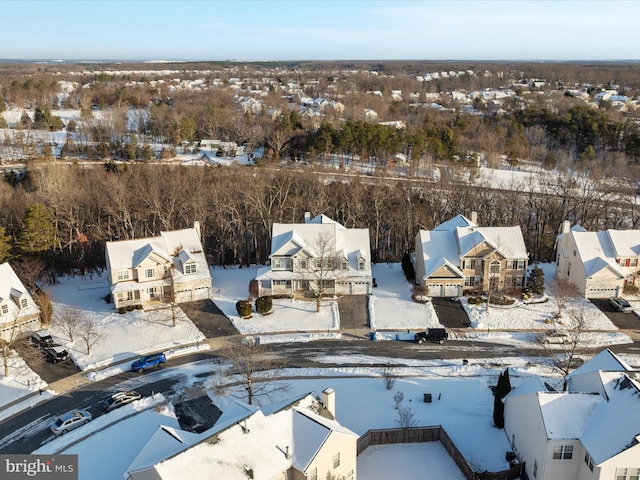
(70, 421)
(620, 304)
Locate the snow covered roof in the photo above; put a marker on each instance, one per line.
(596, 252)
(457, 221)
(439, 249)
(11, 286)
(565, 415)
(626, 243)
(533, 384)
(606, 360)
(271, 444)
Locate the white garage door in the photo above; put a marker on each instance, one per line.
(451, 290)
(201, 293)
(183, 296)
(601, 292)
(434, 290)
(359, 288)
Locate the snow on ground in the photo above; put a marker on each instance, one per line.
(391, 306)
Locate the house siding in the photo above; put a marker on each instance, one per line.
(346, 446)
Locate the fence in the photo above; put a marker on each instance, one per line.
(432, 434)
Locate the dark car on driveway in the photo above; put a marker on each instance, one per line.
(438, 335)
(41, 339)
(56, 353)
(148, 361)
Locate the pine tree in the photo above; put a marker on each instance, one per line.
(535, 281)
(502, 390)
(5, 246)
(39, 230)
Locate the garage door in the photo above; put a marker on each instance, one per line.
(183, 296)
(201, 293)
(435, 289)
(451, 290)
(601, 292)
(359, 288)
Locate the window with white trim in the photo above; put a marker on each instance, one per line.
(302, 263)
(361, 264)
(588, 460)
(281, 264)
(125, 296)
(494, 268)
(24, 303)
(469, 264)
(625, 473)
(123, 275)
(149, 273)
(521, 264)
(190, 268)
(563, 452)
(152, 292)
(350, 475)
(5, 309)
(345, 264)
(313, 474)
(336, 460)
(519, 281)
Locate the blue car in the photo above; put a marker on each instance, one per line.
(148, 361)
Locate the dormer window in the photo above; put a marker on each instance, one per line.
(24, 303)
(123, 275)
(4, 309)
(361, 264)
(149, 273)
(345, 264)
(190, 268)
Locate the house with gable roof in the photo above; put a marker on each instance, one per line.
(153, 270)
(599, 263)
(458, 256)
(591, 431)
(298, 439)
(17, 308)
(296, 255)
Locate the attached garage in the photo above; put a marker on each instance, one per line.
(435, 289)
(452, 290)
(359, 288)
(601, 291)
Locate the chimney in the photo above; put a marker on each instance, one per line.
(566, 226)
(307, 217)
(474, 218)
(196, 226)
(329, 400)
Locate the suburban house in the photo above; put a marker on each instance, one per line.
(319, 250)
(600, 263)
(17, 308)
(591, 431)
(170, 267)
(458, 256)
(296, 440)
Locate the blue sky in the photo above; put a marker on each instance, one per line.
(320, 30)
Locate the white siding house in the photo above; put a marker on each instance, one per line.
(458, 256)
(152, 270)
(17, 308)
(591, 431)
(600, 263)
(299, 250)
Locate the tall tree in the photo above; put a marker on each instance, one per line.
(39, 231)
(502, 390)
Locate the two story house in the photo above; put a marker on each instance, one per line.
(18, 310)
(299, 439)
(600, 263)
(170, 267)
(459, 256)
(319, 250)
(589, 432)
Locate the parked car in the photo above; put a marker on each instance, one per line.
(56, 353)
(432, 335)
(620, 304)
(69, 421)
(120, 399)
(148, 361)
(41, 339)
(557, 337)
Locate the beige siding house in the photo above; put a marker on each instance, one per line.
(298, 440)
(589, 432)
(157, 269)
(600, 263)
(459, 256)
(17, 308)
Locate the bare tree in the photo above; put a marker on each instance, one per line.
(563, 290)
(388, 376)
(564, 350)
(322, 270)
(397, 399)
(406, 418)
(90, 334)
(8, 337)
(256, 370)
(70, 321)
(46, 308)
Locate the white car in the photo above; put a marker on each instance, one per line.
(620, 304)
(69, 421)
(557, 337)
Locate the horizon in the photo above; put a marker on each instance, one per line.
(330, 31)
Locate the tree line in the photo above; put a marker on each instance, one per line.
(64, 214)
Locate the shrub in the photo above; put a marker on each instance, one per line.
(502, 300)
(130, 308)
(420, 294)
(535, 281)
(138, 307)
(244, 308)
(407, 268)
(264, 305)
(122, 310)
(475, 300)
(631, 289)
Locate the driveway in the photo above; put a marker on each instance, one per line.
(353, 312)
(208, 318)
(450, 312)
(624, 321)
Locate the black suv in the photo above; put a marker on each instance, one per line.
(431, 335)
(56, 353)
(41, 339)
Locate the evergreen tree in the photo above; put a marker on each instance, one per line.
(501, 391)
(535, 281)
(39, 232)
(5, 246)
